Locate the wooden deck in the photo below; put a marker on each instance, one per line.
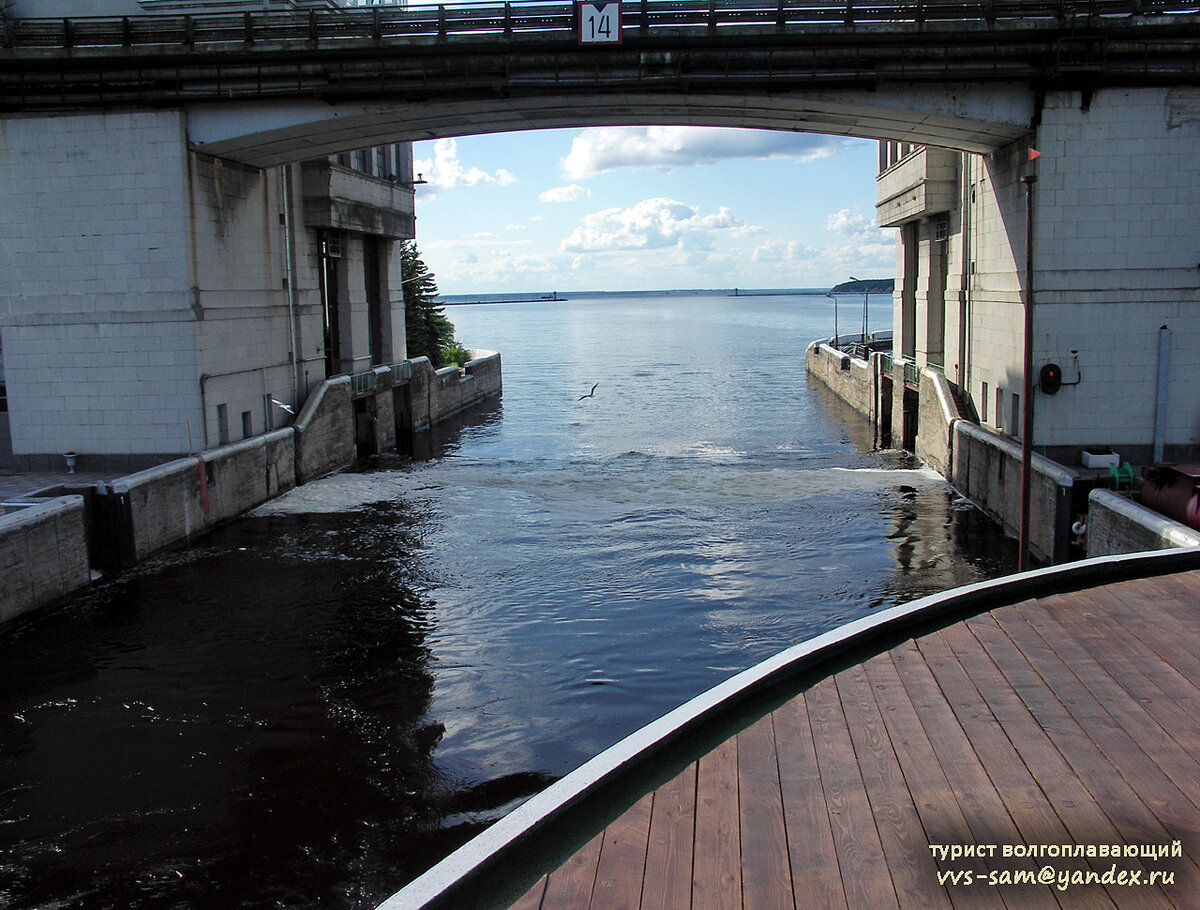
(1070, 720)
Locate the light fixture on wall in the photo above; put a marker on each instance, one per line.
(866, 300)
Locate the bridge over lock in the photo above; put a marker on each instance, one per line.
(147, 183)
(266, 87)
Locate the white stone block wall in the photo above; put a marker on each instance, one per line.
(1118, 255)
(95, 289)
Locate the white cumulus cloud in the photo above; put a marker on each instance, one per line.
(653, 224)
(853, 224)
(572, 193)
(784, 251)
(444, 170)
(595, 151)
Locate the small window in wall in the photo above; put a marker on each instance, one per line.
(941, 227)
(362, 161)
(382, 166)
(247, 425)
(983, 403)
(223, 424)
(1000, 409)
(1016, 415)
(343, 158)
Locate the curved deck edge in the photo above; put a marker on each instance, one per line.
(496, 867)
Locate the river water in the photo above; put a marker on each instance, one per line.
(312, 705)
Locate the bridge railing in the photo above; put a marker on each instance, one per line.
(330, 27)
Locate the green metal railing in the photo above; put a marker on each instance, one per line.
(362, 383)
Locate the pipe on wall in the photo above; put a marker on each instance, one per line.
(1160, 401)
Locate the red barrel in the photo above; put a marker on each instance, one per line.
(1174, 491)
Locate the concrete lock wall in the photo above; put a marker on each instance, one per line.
(325, 430)
(850, 379)
(178, 500)
(44, 548)
(436, 394)
(43, 555)
(936, 416)
(987, 470)
(1117, 524)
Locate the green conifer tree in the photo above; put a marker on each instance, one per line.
(429, 333)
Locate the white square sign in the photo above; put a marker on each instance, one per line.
(600, 23)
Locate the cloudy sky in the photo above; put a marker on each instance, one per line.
(648, 208)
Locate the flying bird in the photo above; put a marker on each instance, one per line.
(282, 406)
(591, 394)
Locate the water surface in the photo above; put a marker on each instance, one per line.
(312, 705)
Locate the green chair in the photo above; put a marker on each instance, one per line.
(1121, 474)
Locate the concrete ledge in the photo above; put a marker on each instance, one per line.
(325, 439)
(849, 378)
(1117, 524)
(499, 865)
(436, 395)
(937, 416)
(43, 555)
(180, 499)
(987, 470)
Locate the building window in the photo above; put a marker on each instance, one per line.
(362, 161)
(941, 226)
(382, 166)
(999, 409)
(247, 425)
(983, 402)
(222, 424)
(1016, 415)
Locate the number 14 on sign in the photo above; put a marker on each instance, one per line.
(600, 23)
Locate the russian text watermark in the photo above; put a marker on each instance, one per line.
(1060, 879)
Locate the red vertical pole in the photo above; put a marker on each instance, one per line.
(1027, 423)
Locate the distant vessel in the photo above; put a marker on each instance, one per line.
(461, 300)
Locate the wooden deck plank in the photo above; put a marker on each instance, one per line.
(1126, 808)
(1168, 647)
(1166, 695)
(622, 865)
(1089, 763)
(929, 774)
(1165, 627)
(569, 887)
(856, 839)
(1069, 720)
(763, 835)
(901, 833)
(1107, 757)
(717, 857)
(816, 875)
(1073, 804)
(532, 899)
(1000, 800)
(1111, 728)
(668, 880)
(1172, 740)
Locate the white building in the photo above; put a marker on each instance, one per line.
(155, 301)
(1116, 272)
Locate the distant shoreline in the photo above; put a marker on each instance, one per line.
(559, 297)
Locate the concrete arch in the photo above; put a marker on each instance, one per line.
(975, 117)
